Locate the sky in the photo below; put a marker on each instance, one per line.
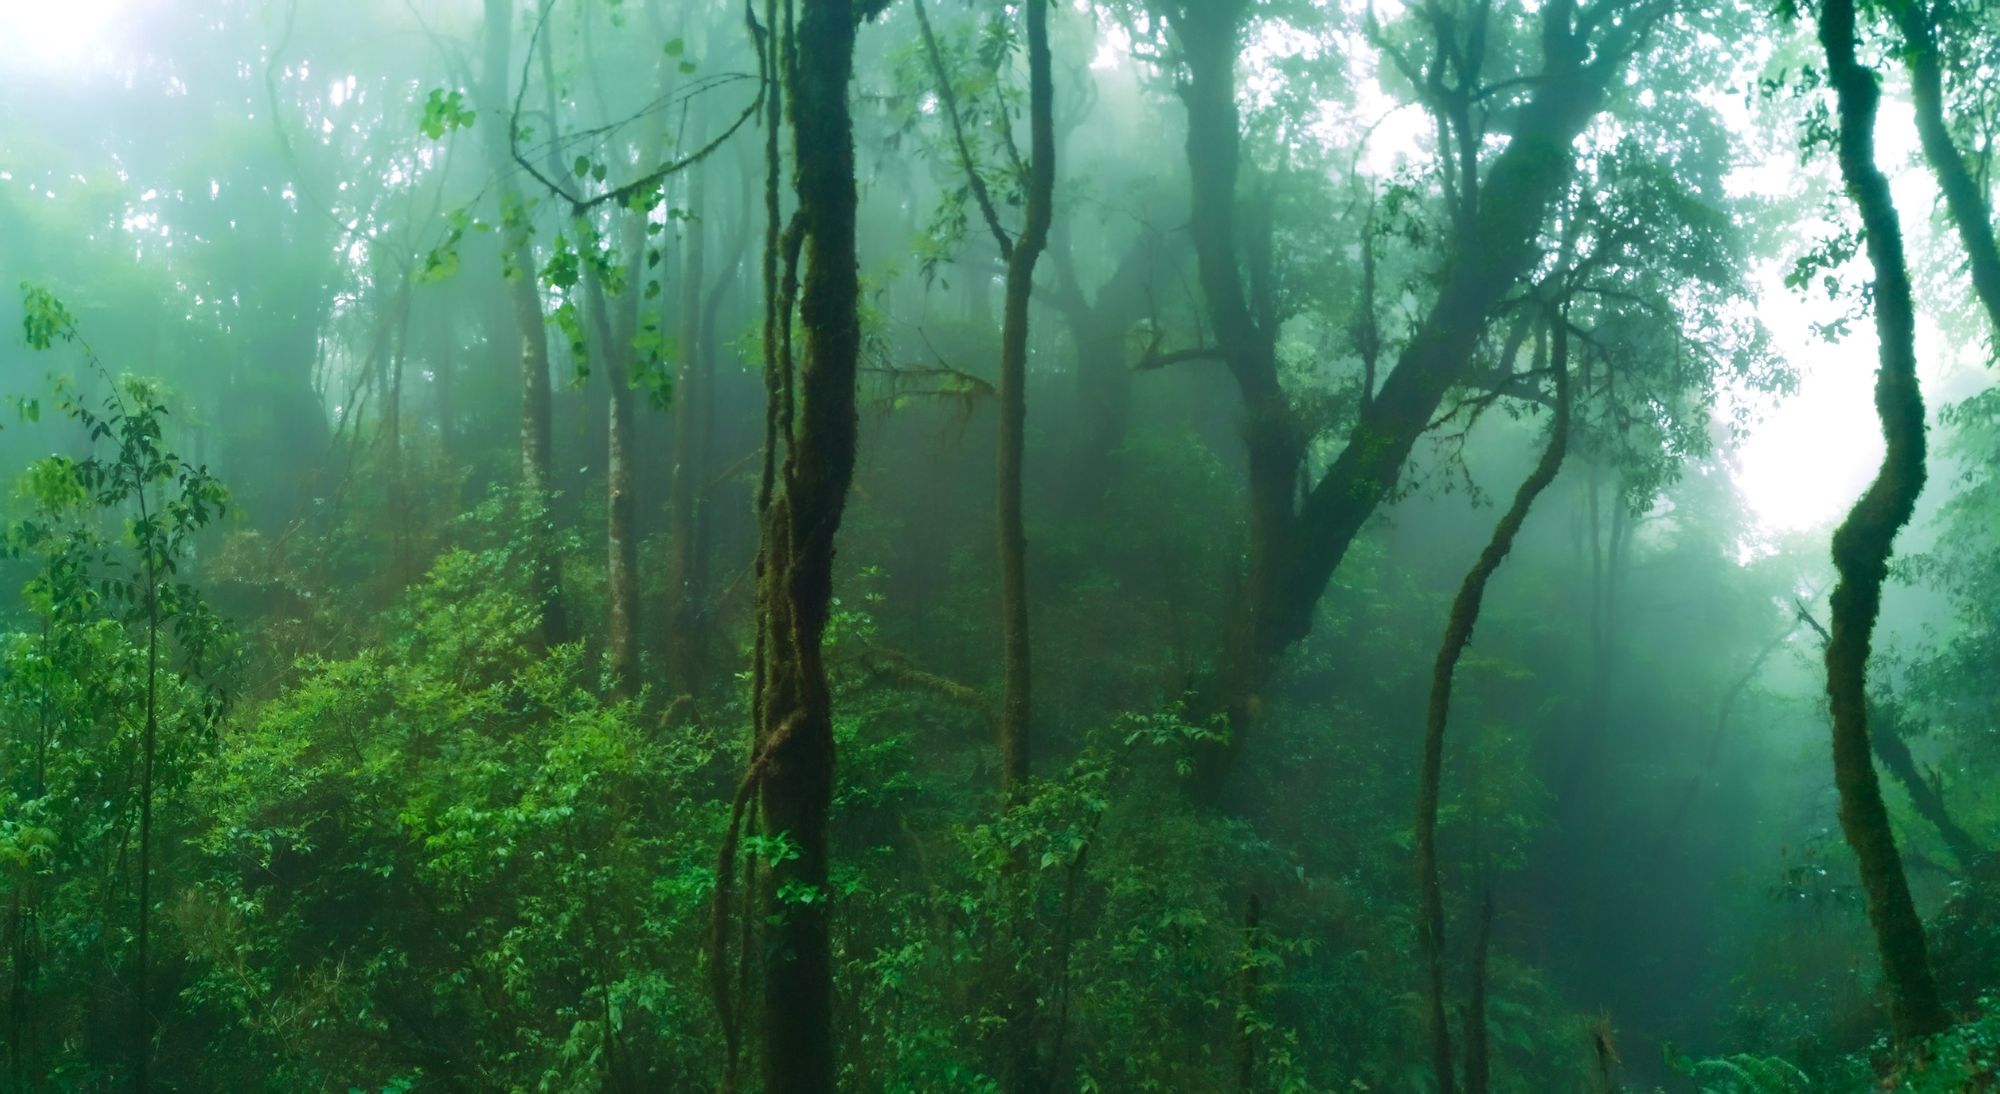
(54, 35)
(1813, 453)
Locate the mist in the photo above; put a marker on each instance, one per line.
(1031, 546)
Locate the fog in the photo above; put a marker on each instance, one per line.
(1058, 545)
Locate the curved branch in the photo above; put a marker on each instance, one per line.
(949, 100)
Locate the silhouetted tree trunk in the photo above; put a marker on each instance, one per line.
(1457, 635)
(1246, 1031)
(1964, 196)
(142, 1010)
(392, 426)
(446, 407)
(1862, 544)
(1926, 795)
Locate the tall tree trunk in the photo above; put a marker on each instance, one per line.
(816, 416)
(1963, 195)
(1021, 255)
(1457, 635)
(614, 323)
(1245, 321)
(1098, 325)
(1862, 544)
(690, 465)
(392, 424)
(446, 407)
(525, 306)
(620, 497)
(1016, 703)
(1023, 1069)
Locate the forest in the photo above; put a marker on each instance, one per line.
(1016, 546)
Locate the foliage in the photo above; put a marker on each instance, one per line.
(448, 857)
(1740, 1074)
(100, 724)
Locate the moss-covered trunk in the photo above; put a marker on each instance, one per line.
(1862, 544)
(817, 419)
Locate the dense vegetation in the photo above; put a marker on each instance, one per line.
(1055, 545)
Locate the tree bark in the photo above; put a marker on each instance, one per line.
(1099, 324)
(817, 417)
(1863, 543)
(1457, 635)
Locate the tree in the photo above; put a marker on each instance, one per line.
(810, 417)
(1864, 541)
(1297, 537)
(1458, 635)
(166, 501)
(1021, 254)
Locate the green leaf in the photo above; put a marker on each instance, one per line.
(443, 112)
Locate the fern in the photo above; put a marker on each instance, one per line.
(1741, 1073)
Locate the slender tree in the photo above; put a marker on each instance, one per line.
(1864, 541)
(1016, 710)
(1457, 635)
(1021, 254)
